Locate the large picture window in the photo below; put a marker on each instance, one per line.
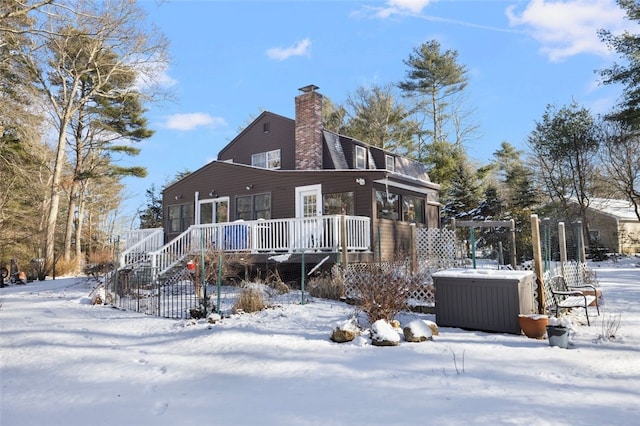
(400, 207)
(412, 209)
(338, 203)
(252, 207)
(266, 160)
(387, 205)
(180, 217)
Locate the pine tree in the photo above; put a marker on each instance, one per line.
(151, 216)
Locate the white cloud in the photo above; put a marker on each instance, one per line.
(299, 49)
(192, 120)
(153, 73)
(567, 28)
(394, 7)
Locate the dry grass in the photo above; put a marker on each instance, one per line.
(250, 300)
(274, 282)
(67, 267)
(328, 285)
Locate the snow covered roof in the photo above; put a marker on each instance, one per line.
(621, 209)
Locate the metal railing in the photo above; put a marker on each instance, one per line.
(321, 233)
(138, 289)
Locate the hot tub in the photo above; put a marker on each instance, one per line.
(483, 299)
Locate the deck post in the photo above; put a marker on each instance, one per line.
(537, 261)
(343, 237)
(412, 249)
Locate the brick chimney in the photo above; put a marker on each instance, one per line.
(308, 144)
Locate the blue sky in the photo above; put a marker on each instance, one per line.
(232, 59)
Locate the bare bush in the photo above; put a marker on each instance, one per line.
(234, 265)
(383, 292)
(250, 300)
(327, 285)
(610, 327)
(274, 282)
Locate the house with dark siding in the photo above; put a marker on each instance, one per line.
(288, 185)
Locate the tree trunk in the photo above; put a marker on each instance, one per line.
(54, 195)
(68, 234)
(79, 225)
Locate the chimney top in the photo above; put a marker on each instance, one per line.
(309, 88)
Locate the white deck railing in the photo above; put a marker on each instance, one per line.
(139, 243)
(322, 233)
(132, 237)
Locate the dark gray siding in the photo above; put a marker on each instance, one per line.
(254, 139)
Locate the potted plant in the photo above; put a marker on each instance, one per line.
(558, 332)
(534, 326)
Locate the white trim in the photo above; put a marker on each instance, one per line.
(308, 188)
(214, 213)
(392, 184)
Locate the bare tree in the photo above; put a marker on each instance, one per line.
(620, 159)
(87, 41)
(565, 144)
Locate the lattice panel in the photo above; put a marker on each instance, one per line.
(436, 248)
(422, 293)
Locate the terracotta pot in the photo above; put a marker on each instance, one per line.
(533, 326)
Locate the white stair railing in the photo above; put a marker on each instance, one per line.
(139, 244)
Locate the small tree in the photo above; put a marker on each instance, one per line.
(151, 216)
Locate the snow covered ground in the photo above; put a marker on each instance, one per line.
(66, 362)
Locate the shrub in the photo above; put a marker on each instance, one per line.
(610, 326)
(383, 292)
(273, 281)
(234, 265)
(250, 300)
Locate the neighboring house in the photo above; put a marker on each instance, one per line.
(613, 224)
(281, 175)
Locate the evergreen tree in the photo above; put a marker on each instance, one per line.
(151, 216)
(375, 117)
(463, 195)
(628, 74)
(435, 83)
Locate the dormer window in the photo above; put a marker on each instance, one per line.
(266, 160)
(361, 157)
(390, 163)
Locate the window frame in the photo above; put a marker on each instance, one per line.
(183, 220)
(252, 213)
(360, 157)
(419, 210)
(390, 159)
(386, 198)
(346, 200)
(271, 160)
